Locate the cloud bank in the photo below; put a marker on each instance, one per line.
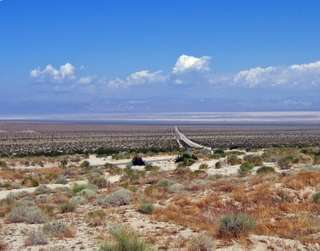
(188, 71)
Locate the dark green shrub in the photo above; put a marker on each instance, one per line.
(237, 224)
(245, 168)
(286, 162)
(255, 160)
(85, 164)
(76, 188)
(265, 169)
(218, 165)
(28, 181)
(137, 161)
(146, 207)
(316, 198)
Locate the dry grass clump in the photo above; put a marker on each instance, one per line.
(201, 242)
(124, 240)
(302, 179)
(96, 218)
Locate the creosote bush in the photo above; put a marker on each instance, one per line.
(236, 224)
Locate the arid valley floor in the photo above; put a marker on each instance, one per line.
(71, 187)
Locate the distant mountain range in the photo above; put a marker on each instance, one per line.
(159, 104)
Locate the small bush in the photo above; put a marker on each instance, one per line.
(97, 170)
(146, 207)
(62, 181)
(125, 240)
(28, 181)
(255, 160)
(42, 189)
(98, 180)
(165, 182)
(78, 200)
(76, 188)
(87, 193)
(218, 165)
(67, 207)
(316, 198)
(201, 242)
(18, 214)
(203, 166)
(36, 238)
(96, 218)
(175, 188)
(36, 216)
(245, 168)
(137, 161)
(234, 160)
(265, 169)
(31, 215)
(42, 198)
(119, 197)
(150, 167)
(85, 164)
(57, 229)
(236, 225)
(286, 162)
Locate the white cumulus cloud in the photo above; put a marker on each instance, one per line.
(138, 78)
(50, 74)
(304, 75)
(187, 63)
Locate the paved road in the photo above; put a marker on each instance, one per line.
(188, 141)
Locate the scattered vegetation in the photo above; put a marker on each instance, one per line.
(237, 224)
(124, 240)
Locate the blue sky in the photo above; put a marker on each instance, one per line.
(71, 54)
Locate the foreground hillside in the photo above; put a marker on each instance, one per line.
(195, 200)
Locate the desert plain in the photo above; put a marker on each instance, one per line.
(78, 186)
